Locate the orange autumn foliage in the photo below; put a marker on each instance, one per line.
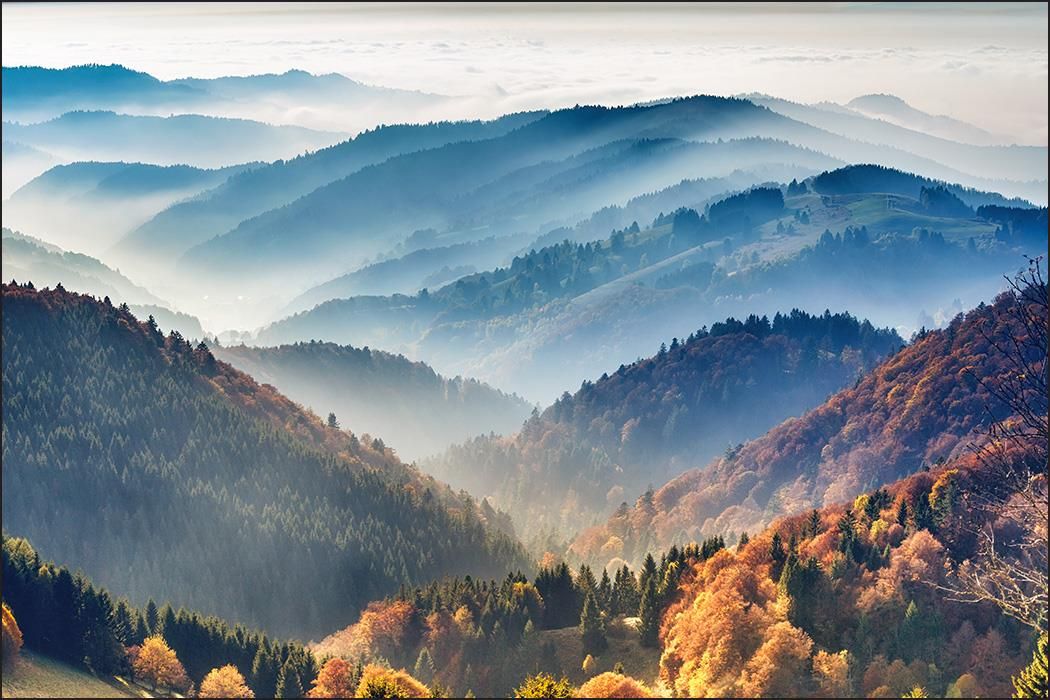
(737, 630)
(334, 680)
(920, 405)
(225, 682)
(12, 638)
(381, 631)
(613, 685)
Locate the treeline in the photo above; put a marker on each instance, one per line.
(858, 179)
(486, 636)
(648, 421)
(172, 470)
(63, 615)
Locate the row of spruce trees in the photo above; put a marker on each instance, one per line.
(63, 615)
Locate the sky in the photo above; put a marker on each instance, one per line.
(983, 63)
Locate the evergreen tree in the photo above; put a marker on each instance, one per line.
(649, 612)
(777, 554)
(167, 621)
(902, 512)
(152, 616)
(605, 593)
(813, 523)
(648, 571)
(265, 670)
(288, 683)
(1032, 683)
(922, 513)
(424, 668)
(592, 627)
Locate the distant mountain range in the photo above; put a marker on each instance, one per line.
(90, 206)
(327, 102)
(546, 319)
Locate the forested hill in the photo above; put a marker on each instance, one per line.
(659, 416)
(855, 600)
(417, 411)
(181, 478)
(917, 408)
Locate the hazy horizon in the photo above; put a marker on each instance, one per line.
(943, 59)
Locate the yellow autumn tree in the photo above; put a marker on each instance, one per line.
(613, 685)
(225, 682)
(379, 682)
(334, 680)
(831, 672)
(777, 667)
(157, 664)
(12, 640)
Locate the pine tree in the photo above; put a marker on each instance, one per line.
(288, 683)
(1032, 683)
(648, 571)
(265, 669)
(605, 592)
(922, 513)
(592, 627)
(902, 512)
(152, 617)
(813, 524)
(167, 621)
(778, 555)
(424, 668)
(649, 612)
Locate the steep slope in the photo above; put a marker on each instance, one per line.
(182, 478)
(36, 676)
(658, 416)
(416, 411)
(89, 206)
(849, 601)
(917, 408)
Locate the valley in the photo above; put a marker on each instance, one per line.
(384, 350)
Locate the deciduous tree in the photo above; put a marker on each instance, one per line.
(225, 682)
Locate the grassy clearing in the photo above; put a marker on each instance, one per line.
(640, 662)
(37, 676)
